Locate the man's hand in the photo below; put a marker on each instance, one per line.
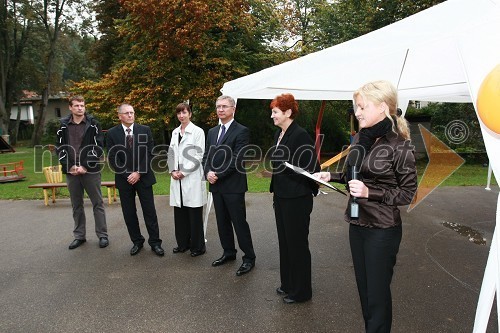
(73, 170)
(82, 170)
(212, 177)
(133, 178)
(77, 170)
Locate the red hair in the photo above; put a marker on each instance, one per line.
(285, 102)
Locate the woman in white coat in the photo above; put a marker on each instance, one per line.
(188, 191)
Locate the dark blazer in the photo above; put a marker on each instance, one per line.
(297, 148)
(124, 161)
(227, 159)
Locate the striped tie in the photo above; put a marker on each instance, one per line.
(130, 139)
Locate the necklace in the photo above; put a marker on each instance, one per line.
(280, 137)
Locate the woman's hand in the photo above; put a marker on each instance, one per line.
(324, 176)
(177, 175)
(358, 189)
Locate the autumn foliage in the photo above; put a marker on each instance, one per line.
(177, 50)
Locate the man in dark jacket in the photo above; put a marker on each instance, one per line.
(224, 168)
(130, 148)
(80, 148)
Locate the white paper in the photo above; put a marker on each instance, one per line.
(308, 175)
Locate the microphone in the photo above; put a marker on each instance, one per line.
(354, 203)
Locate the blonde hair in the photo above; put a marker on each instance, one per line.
(384, 92)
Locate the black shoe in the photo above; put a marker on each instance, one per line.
(103, 242)
(158, 250)
(222, 260)
(179, 249)
(245, 268)
(280, 291)
(289, 300)
(76, 243)
(135, 249)
(197, 253)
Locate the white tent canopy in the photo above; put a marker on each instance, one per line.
(441, 54)
(419, 55)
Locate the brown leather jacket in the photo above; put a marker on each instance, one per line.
(390, 174)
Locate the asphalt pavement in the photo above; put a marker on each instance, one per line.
(45, 287)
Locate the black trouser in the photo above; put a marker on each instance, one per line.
(292, 223)
(188, 223)
(146, 198)
(230, 211)
(374, 256)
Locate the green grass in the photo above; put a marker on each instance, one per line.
(466, 175)
(35, 159)
(470, 175)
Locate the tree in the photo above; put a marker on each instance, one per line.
(157, 53)
(293, 25)
(457, 125)
(15, 27)
(51, 15)
(342, 20)
(56, 17)
(110, 47)
(178, 51)
(75, 57)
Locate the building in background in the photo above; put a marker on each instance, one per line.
(30, 103)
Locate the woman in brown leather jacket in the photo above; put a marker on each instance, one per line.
(383, 160)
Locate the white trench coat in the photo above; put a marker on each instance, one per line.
(186, 156)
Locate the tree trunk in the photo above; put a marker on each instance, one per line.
(4, 117)
(4, 65)
(15, 32)
(15, 129)
(52, 30)
(36, 139)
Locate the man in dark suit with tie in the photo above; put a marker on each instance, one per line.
(129, 154)
(224, 169)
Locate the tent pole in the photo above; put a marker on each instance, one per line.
(351, 121)
(488, 182)
(317, 143)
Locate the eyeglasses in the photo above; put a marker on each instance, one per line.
(131, 113)
(224, 107)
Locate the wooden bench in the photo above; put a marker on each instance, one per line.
(110, 185)
(11, 172)
(54, 178)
